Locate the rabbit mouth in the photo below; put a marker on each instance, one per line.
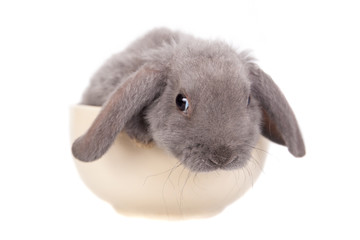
(220, 158)
(199, 164)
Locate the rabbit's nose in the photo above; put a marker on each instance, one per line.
(222, 155)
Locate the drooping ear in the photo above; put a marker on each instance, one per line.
(279, 122)
(138, 91)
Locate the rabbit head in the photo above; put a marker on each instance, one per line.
(202, 102)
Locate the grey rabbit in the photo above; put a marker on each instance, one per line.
(200, 100)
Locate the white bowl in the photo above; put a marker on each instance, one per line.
(148, 182)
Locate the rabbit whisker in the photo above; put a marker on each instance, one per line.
(182, 190)
(256, 148)
(161, 173)
(182, 171)
(164, 185)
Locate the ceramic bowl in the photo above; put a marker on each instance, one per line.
(149, 182)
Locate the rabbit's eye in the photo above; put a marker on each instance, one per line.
(182, 103)
(248, 101)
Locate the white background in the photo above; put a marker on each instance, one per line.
(50, 49)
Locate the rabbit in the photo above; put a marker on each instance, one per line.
(202, 101)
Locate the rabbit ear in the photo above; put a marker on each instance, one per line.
(140, 89)
(279, 122)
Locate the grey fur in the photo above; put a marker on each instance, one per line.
(138, 87)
